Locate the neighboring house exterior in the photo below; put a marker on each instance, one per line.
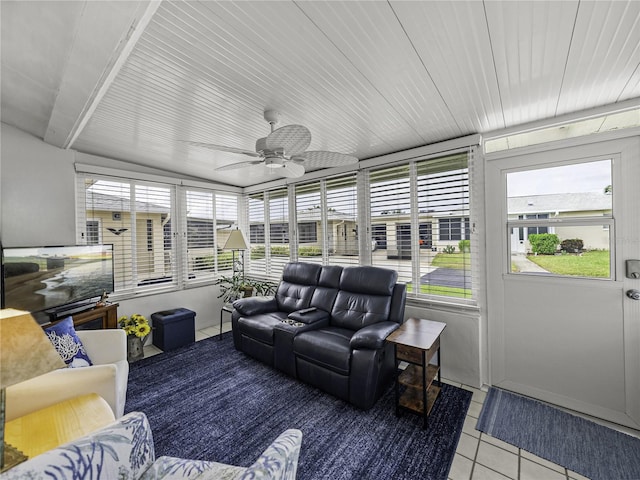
(109, 221)
(562, 205)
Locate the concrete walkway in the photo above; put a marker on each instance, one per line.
(525, 265)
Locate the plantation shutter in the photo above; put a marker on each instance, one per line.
(390, 217)
(444, 221)
(342, 231)
(210, 217)
(257, 238)
(278, 232)
(136, 219)
(310, 222)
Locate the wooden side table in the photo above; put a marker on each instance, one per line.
(416, 342)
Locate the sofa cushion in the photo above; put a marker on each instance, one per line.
(301, 273)
(369, 280)
(293, 296)
(328, 347)
(357, 310)
(260, 327)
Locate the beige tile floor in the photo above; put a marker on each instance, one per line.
(478, 456)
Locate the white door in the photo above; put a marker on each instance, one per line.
(560, 327)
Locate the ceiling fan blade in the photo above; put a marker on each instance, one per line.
(323, 159)
(233, 166)
(294, 139)
(222, 148)
(291, 170)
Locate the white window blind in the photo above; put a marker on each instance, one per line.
(444, 217)
(257, 239)
(342, 220)
(390, 216)
(210, 217)
(135, 218)
(311, 222)
(279, 237)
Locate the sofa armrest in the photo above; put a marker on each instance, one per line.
(254, 305)
(279, 460)
(123, 449)
(372, 337)
(309, 317)
(63, 384)
(104, 346)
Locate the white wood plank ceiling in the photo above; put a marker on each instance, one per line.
(134, 80)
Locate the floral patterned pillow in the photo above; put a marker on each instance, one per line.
(64, 338)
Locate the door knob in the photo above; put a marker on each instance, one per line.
(633, 294)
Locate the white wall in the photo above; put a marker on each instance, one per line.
(459, 344)
(37, 196)
(37, 207)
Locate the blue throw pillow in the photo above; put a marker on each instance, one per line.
(64, 338)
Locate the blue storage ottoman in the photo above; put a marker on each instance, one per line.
(173, 328)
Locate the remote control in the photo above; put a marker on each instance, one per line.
(307, 310)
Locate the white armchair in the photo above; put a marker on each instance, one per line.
(108, 377)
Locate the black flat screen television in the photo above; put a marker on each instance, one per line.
(52, 278)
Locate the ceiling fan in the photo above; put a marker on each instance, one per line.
(284, 151)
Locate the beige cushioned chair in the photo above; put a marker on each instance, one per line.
(108, 377)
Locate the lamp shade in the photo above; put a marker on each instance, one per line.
(25, 350)
(236, 241)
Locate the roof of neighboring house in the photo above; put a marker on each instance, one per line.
(313, 215)
(114, 203)
(559, 202)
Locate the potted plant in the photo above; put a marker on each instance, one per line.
(237, 286)
(137, 329)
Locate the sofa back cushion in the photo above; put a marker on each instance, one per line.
(325, 294)
(298, 283)
(364, 297)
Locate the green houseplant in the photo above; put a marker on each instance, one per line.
(237, 286)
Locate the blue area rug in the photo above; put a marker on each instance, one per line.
(208, 401)
(578, 444)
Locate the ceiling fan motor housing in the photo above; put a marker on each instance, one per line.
(261, 145)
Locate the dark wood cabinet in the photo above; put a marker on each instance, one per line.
(93, 319)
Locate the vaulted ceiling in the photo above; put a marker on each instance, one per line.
(136, 81)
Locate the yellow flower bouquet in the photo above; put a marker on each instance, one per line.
(136, 325)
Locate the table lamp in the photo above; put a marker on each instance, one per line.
(237, 242)
(25, 352)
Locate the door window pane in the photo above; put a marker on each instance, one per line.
(559, 220)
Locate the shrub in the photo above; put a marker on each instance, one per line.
(280, 250)
(572, 245)
(449, 249)
(544, 243)
(310, 251)
(464, 246)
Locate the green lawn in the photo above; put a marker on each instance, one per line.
(459, 261)
(588, 264)
(439, 290)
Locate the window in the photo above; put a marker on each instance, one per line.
(269, 211)
(93, 232)
(210, 218)
(310, 217)
(139, 219)
(572, 237)
(451, 229)
(308, 232)
(407, 202)
(342, 220)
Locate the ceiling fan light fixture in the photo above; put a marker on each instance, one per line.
(274, 162)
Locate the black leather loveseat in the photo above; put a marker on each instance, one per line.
(339, 346)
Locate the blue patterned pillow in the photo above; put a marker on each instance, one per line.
(64, 338)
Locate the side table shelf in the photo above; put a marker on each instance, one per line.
(417, 387)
